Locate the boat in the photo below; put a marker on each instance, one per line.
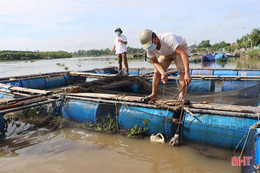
(207, 58)
(231, 127)
(220, 57)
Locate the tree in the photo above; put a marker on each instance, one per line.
(255, 37)
(204, 44)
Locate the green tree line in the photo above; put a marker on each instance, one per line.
(100, 52)
(28, 55)
(246, 41)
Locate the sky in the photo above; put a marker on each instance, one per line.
(70, 25)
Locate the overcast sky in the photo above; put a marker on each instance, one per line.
(70, 25)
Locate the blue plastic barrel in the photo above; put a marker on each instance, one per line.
(159, 121)
(201, 86)
(80, 110)
(215, 130)
(13, 83)
(37, 83)
(238, 85)
(225, 72)
(249, 73)
(55, 81)
(201, 72)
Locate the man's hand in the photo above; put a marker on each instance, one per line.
(164, 78)
(187, 79)
(111, 52)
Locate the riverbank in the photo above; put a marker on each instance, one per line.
(252, 54)
(11, 55)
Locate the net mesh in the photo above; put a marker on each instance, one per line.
(250, 151)
(140, 86)
(134, 85)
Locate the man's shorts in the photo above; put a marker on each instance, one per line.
(166, 61)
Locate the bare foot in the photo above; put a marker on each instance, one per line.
(152, 96)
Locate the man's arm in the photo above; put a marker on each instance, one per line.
(112, 50)
(124, 42)
(179, 50)
(159, 68)
(122, 39)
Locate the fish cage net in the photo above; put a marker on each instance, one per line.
(224, 142)
(29, 119)
(140, 86)
(250, 152)
(247, 96)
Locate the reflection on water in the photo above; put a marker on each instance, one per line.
(214, 64)
(71, 150)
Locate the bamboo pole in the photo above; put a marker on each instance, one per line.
(220, 78)
(26, 90)
(15, 93)
(26, 106)
(224, 113)
(222, 107)
(25, 102)
(107, 96)
(13, 100)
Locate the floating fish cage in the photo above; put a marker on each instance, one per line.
(100, 93)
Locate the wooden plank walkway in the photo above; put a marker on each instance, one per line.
(25, 90)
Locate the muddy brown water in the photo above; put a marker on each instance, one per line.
(77, 150)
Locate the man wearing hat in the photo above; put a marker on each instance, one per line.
(120, 46)
(170, 47)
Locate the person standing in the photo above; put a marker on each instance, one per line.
(170, 47)
(120, 43)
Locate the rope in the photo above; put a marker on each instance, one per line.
(182, 107)
(165, 124)
(254, 126)
(116, 111)
(163, 90)
(180, 92)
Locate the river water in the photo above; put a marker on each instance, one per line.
(77, 150)
(12, 68)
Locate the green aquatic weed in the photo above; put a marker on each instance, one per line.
(139, 131)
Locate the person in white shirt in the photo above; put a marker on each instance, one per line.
(170, 47)
(120, 46)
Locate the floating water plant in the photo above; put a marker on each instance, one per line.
(138, 131)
